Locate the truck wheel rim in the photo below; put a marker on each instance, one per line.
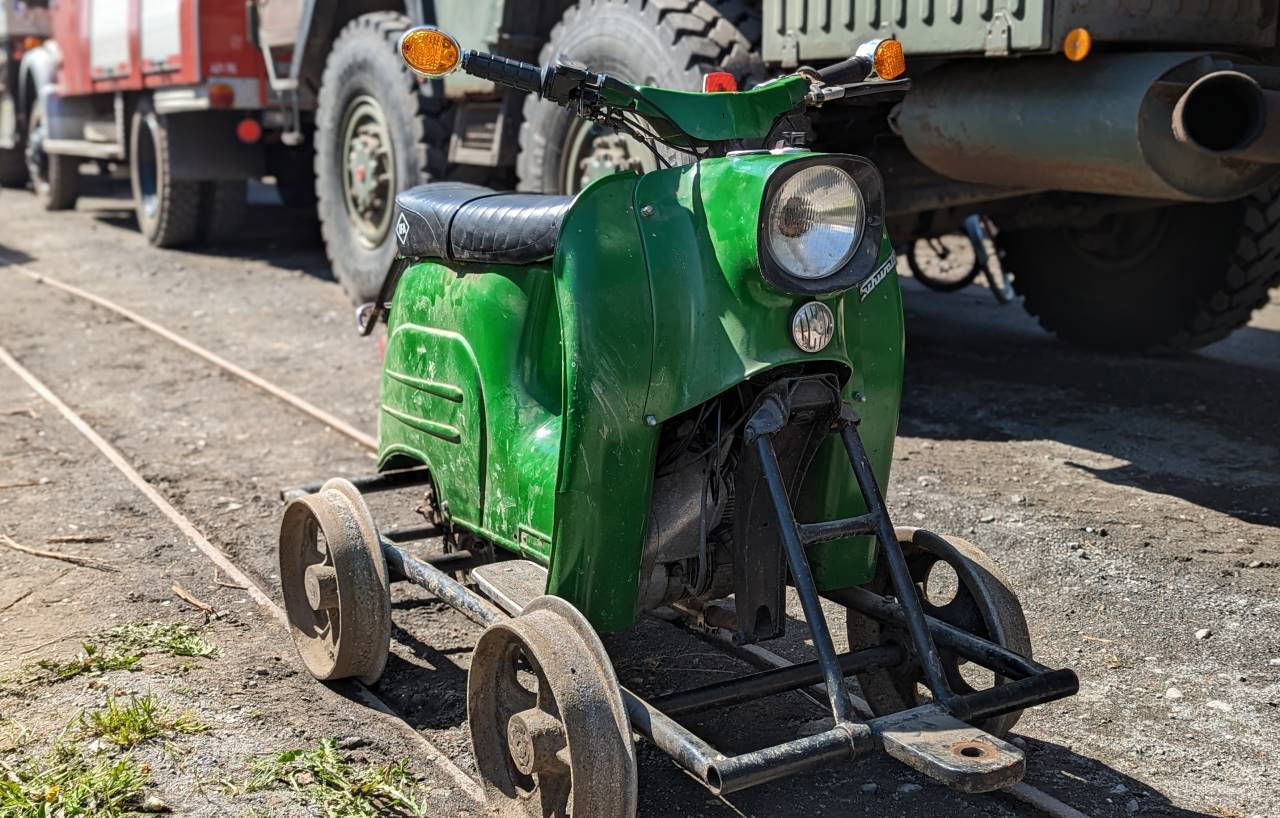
(37, 159)
(1121, 241)
(368, 169)
(147, 170)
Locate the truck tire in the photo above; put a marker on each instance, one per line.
(222, 207)
(54, 178)
(13, 167)
(1165, 281)
(376, 134)
(670, 43)
(295, 174)
(168, 209)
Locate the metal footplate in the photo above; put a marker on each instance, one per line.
(949, 751)
(511, 584)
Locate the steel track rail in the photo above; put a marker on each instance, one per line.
(437, 756)
(1023, 792)
(257, 381)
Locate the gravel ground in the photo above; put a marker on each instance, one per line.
(1134, 503)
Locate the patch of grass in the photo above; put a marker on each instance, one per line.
(331, 785)
(120, 648)
(173, 638)
(140, 719)
(66, 784)
(91, 659)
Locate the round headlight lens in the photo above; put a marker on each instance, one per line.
(815, 221)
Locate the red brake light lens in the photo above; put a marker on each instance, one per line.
(719, 82)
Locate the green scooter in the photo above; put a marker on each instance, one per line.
(625, 402)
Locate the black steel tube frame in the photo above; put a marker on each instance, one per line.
(802, 578)
(849, 738)
(403, 567)
(410, 534)
(814, 533)
(899, 574)
(772, 682)
(1033, 683)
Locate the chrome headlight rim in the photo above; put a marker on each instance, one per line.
(861, 262)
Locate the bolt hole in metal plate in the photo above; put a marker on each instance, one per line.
(950, 751)
(334, 581)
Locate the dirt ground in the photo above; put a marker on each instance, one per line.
(1133, 502)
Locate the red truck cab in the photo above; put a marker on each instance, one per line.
(172, 90)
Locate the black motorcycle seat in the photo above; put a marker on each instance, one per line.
(456, 221)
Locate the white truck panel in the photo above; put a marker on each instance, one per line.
(161, 34)
(108, 38)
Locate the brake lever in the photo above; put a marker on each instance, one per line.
(856, 90)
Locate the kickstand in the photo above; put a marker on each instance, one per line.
(988, 257)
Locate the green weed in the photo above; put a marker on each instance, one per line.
(334, 787)
(173, 638)
(140, 719)
(91, 659)
(66, 784)
(120, 648)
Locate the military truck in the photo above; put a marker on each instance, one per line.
(1127, 149)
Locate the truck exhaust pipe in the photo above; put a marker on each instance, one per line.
(1228, 113)
(1184, 126)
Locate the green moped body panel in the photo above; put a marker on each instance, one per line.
(723, 116)
(526, 390)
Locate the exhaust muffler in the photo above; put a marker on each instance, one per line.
(1194, 127)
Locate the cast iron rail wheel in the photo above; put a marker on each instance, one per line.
(334, 581)
(168, 209)
(1167, 280)
(377, 133)
(981, 602)
(672, 44)
(548, 726)
(54, 178)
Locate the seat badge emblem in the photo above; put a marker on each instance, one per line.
(402, 228)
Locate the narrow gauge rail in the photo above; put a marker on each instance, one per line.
(774, 668)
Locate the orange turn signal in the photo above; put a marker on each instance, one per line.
(1077, 44)
(221, 95)
(430, 51)
(890, 63)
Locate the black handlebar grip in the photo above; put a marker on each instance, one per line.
(854, 69)
(522, 76)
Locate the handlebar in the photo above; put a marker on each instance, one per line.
(854, 69)
(521, 76)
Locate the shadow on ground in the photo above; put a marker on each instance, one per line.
(1201, 427)
(285, 237)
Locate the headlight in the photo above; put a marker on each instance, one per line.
(821, 224)
(815, 221)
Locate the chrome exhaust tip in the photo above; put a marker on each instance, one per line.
(1228, 114)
